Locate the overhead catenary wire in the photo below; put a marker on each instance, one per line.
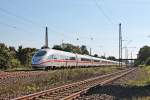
(31, 22)
(7, 25)
(15, 27)
(103, 12)
(28, 21)
(20, 17)
(7, 12)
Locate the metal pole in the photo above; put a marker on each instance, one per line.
(126, 55)
(91, 48)
(120, 44)
(131, 58)
(90, 51)
(46, 37)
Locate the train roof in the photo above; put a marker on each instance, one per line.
(73, 54)
(53, 51)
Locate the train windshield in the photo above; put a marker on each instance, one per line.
(40, 53)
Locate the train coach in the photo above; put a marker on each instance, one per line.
(50, 59)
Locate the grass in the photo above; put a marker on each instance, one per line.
(143, 78)
(53, 78)
(19, 69)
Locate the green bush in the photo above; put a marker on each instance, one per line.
(147, 61)
(15, 63)
(4, 59)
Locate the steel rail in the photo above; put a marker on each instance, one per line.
(107, 81)
(81, 87)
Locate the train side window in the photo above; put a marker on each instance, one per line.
(61, 57)
(85, 59)
(96, 60)
(50, 57)
(72, 58)
(40, 53)
(66, 58)
(54, 56)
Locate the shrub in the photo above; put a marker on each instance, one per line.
(147, 61)
(15, 63)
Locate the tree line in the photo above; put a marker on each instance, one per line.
(79, 50)
(72, 48)
(10, 57)
(143, 57)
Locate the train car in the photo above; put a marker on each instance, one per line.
(84, 60)
(51, 58)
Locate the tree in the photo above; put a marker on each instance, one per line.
(10, 58)
(143, 55)
(4, 56)
(84, 50)
(25, 55)
(95, 55)
(111, 58)
(57, 47)
(103, 57)
(147, 62)
(19, 54)
(44, 47)
(12, 51)
(66, 47)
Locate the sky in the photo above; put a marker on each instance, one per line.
(23, 22)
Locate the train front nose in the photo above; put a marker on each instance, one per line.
(36, 60)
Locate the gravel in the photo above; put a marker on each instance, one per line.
(15, 86)
(119, 90)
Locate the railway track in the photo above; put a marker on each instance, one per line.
(74, 90)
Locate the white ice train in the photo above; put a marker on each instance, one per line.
(50, 59)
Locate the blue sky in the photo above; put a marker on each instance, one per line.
(22, 22)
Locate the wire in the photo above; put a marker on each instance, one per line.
(26, 20)
(19, 17)
(103, 12)
(29, 21)
(14, 27)
(11, 26)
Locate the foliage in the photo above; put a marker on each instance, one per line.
(44, 47)
(111, 58)
(71, 48)
(4, 56)
(95, 55)
(15, 63)
(57, 47)
(103, 57)
(25, 55)
(147, 62)
(143, 55)
(143, 77)
(11, 58)
(84, 50)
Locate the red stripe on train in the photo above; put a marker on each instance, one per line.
(64, 61)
